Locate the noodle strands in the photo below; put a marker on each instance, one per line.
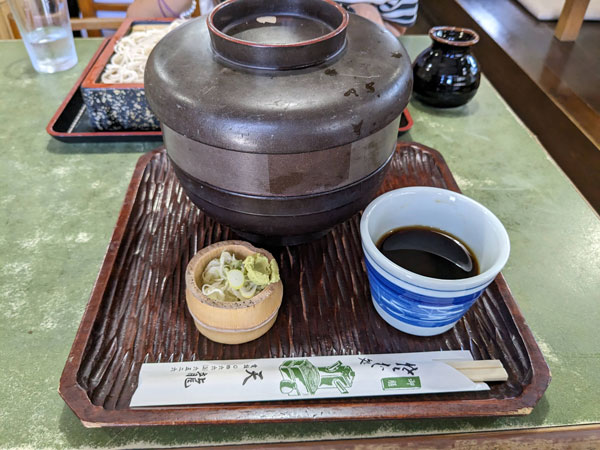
(131, 54)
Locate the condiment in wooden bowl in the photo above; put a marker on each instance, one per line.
(230, 322)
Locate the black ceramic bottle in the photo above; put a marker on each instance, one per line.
(447, 74)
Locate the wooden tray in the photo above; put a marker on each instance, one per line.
(137, 313)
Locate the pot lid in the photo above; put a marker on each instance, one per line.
(346, 93)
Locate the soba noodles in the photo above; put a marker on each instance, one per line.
(131, 53)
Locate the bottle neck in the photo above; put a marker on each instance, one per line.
(448, 48)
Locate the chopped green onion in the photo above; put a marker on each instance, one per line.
(248, 290)
(227, 278)
(235, 278)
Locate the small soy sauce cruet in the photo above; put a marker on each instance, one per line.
(447, 74)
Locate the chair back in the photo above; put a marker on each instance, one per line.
(8, 26)
(89, 20)
(89, 9)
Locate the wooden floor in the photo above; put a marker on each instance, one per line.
(553, 86)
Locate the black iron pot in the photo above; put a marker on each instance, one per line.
(280, 117)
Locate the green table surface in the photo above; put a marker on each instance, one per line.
(59, 203)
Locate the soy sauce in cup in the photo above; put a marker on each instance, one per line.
(429, 252)
(422, 305)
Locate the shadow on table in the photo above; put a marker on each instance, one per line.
(20, 70)
(55, 146)
(469, 109)
(76, 435)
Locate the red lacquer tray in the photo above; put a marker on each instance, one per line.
(70, 122)
(406, 122)
(137, 314)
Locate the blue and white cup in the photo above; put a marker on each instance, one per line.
(421, 305)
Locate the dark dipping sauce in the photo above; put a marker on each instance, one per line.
(417, 249)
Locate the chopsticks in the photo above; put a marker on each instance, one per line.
(480, 370)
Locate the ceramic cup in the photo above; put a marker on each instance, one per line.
(414, 303)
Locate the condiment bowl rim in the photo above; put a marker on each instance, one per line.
(193, 268)
(420, 281)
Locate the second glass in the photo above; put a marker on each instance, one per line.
(46, 31)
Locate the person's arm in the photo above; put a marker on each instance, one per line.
(371, 12)
(157, 8)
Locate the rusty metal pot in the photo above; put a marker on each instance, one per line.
(279, 117)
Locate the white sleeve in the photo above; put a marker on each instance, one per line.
(403, 12)
(206, 6)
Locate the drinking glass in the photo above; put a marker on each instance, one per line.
(46, 31)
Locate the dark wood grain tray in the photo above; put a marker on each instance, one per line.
(137, 313)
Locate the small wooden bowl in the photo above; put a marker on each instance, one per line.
(230, 322)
